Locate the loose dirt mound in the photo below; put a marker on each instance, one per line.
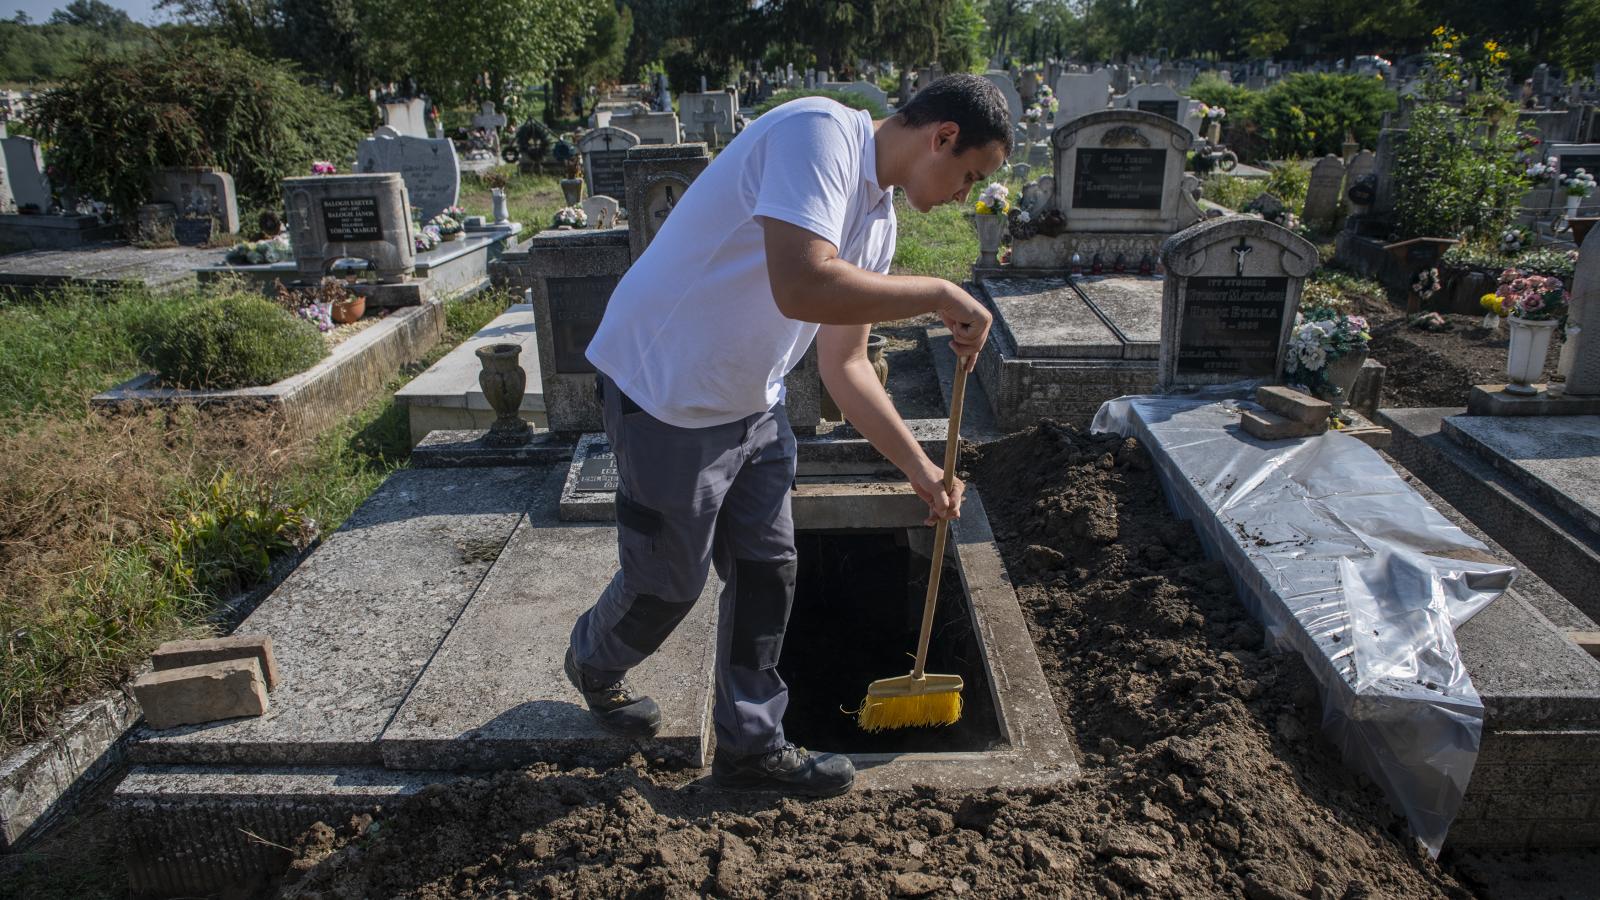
(1203, 772)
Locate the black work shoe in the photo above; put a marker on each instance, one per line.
(615, 707)
(788, 769)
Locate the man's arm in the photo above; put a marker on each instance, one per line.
(854, 387)
(812, 284)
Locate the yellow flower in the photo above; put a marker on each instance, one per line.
(1491, 46)
(983, 208)
(1448, 45)
(1438, 31)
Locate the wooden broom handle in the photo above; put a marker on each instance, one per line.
(941, 531)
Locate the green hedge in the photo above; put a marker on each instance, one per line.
(232, 340)
(854, 101)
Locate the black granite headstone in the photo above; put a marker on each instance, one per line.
(576, 306)
(1231, 326)
(598, 472)
(1168, 108)
(605, 173)
(1572, 162)
(192, 231)
(1119, 179)
(352, 219)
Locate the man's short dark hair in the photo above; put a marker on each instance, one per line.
(971, 101)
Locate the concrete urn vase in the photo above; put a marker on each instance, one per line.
(504, 382)
(1530, 342)
(502, 209)
(876, 344)
(1342, 374)
(991, 229)
(572, 190)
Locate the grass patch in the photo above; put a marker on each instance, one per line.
(117, 533)
(941, 242)
(531, 199)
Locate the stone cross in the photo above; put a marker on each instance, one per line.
(1240, 251)
(709, 117)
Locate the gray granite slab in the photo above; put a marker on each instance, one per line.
(1046, 318)
(1131, 305)
(495, 694)
(1557, 457)
(470, 448)
(1526, 671)
(356, 624)
(106, 263)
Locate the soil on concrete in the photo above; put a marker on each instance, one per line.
(1439, 366)
(1204, 773)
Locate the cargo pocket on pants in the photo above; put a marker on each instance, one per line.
(763, 596)
(650, 616)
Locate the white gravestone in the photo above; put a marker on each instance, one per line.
(603, 151)
(707, 116)
(25, 168)
(1080, 94)
(491, 122)
(428, 165)
(652, 127)
(601, 210)
(861, 89)
(1002, 80)
(1229, 298)
(407, 117)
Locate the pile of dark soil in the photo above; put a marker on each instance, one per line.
(1439, 368)
(1203, 770)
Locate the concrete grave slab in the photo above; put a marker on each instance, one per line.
(1045, 317)
(1555, 457)
(495, 694)
(1131, 305)
(358, 621)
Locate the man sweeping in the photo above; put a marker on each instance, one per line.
(787, 236)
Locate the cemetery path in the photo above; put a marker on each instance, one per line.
(1204, 773)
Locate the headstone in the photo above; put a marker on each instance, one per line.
(8, 204)
(708, 117)
(862, 89)
(657, 178)
(1229, 299)
(198, 193)
(1322, 193)
(1365, 164)
(1080, 94)
(428, 165)
(1576, 156)
(570, 277)
(332, 217)
(1120, 170)
(1161, 100)
(407, 117)
(601, 210)
(652, 128)
(603, 151)
(1002, 81)
(1583, 320)
(1028, 85)
(491, 122)
(25, 168)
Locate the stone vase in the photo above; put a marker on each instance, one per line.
(572, 190)
(1530, 342)
(991, 228)
(502, 209)
(1573, 201)
(1342, 374)
(876, 343)
(504, 382)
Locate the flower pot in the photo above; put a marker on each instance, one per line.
(502, 208)
(1530, 342)
(504, 381)
(991, 228)
(350, 310)
(1342, 374)
(452, 236)
(1573, 200)
(572, 190)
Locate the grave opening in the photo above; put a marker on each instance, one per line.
(858, 607)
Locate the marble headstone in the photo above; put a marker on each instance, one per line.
(366, 217)
(651, 127)
(657, 178)
(25, 169)
(1229, 298)
(200, 192)
(1083, 93)
(708, 117)
(407, 117)
(1322, 194)
(1002, 80)
(428, 165)
(603, 151)
(860, 88)
(1121, 170)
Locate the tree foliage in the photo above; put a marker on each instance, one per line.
(198, 102)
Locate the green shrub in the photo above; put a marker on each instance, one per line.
(1548, 261)
(233, 340)
(854, 101)
(1238, 100)
(1289, 183)
(198, 102)
(1229, 190)
(1308, 113)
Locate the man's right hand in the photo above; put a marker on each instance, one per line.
(968, 322)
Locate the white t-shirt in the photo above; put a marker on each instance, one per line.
(691, 332)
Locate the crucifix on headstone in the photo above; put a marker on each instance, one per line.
(1240, 251)
(709, 118)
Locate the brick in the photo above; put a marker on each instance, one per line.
(1494, 833)
(1270, 426)
(206, 692)
(1292, 404)
(178, 654)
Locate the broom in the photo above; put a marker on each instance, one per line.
(920, 699)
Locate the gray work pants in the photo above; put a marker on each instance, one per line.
(692, 498)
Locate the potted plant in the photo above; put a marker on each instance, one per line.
(1326, 351)
(989, 218)
(1535, 305)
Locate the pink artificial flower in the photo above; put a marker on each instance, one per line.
(1532, 303)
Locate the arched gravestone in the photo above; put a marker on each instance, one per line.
(428, 166)
(1583, 320)
(1229, 300)
(333, 217)
(1121, 170)
(603, 151)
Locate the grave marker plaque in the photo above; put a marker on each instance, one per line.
(192, 231)
(352, 219)
(1231, 326)
(598, 471)
(1119, 178)
(576, 305)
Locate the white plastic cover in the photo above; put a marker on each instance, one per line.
(1342, 560)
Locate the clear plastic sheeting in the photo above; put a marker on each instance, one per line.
(1341, 560)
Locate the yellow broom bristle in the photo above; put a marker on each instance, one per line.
(911, 711)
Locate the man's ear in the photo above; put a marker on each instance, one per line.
(945, 135)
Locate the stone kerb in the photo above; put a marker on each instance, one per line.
(1229, 300)
(334, 217)
(1122, 170)
(604, 150)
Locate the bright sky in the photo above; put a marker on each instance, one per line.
(40, 10)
